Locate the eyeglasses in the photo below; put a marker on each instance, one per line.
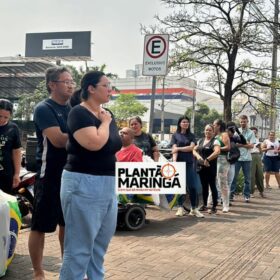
(67, 83)
(123, 132)
(108, 86)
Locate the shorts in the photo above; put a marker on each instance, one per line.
(271, 164)
(47, 211)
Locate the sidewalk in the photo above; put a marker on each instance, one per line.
(243, 244)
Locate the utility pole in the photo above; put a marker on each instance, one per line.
(152, 107)
(273, 113)
(162, 111)
(193, 110)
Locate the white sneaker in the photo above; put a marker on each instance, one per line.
(225, 210)
(180, 212)
(195, 212)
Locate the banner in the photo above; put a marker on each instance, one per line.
(150, 178)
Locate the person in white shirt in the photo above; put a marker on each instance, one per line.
(271, 149)
(256, 166)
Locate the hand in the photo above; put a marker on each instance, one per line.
(104, 116)
(174, 150)
(16, 181)
(206, 163)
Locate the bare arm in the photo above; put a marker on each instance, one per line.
(155, 153)
(56, 136)
(264, 147)
(226, 142)
(247, 146)
(196, 154)
(92, 138)
(216, 152)
(174, 154)
(184, 149)
(16, 155)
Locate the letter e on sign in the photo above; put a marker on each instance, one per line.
(155, 58)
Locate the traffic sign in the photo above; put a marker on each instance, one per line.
(155, 56)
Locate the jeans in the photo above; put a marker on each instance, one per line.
(246, 169)
(193, 187)
(231, 174)
(223, 168)
(89, 205)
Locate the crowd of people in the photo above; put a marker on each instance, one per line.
(78, 146)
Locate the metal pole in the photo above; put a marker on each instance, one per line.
(162, 111)
(273, 113)
(193, 110)
(152, 108)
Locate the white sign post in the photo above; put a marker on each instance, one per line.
(155, 60)
(155, 57)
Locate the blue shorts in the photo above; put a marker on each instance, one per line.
(271, 164)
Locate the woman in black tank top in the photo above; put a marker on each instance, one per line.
(206, 153)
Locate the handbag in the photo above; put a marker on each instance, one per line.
(199, 165)
(233, 154)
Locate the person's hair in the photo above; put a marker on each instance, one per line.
(53, 73)
(91, 78)
(272, 131)
(231, 124)
(179, 127)
(210, 125)
(222, 125)
(6, 105)
(75, 99)
(253, 128)
(243, 117)
(138, 119)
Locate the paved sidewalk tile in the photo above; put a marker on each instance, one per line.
(242, 244)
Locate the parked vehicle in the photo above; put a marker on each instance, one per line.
(131, 216)
(25, 195)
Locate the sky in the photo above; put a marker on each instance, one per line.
(114, 25)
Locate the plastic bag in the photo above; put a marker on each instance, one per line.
(14, 222)
(4, 234)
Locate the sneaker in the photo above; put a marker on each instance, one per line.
(225, 210)
(187, 210)
(252, 196)
(268, 187)
(195, 212)
(203, 208)
(247, 199)
(212, 211)
(262, 195)
(180, 212)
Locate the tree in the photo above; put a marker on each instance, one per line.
(125, 107)
(27, 102)
(77, 74)
(226, 38)
(203, 116)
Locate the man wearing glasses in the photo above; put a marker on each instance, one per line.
(50, 118)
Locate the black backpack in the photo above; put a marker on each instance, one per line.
(233, 154)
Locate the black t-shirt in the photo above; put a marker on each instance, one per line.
(48, 113)
(146, 143)
(101, 162)
(183, 140)
(9, 141)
